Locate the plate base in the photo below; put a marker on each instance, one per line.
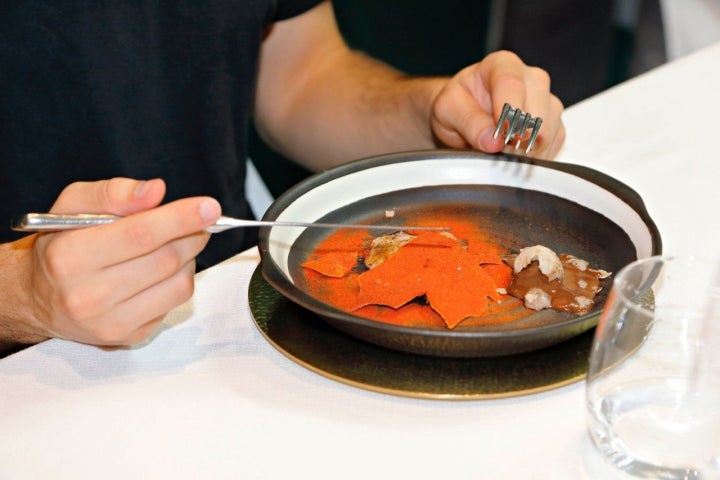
(311, 342)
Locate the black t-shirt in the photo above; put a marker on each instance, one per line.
(138, 88)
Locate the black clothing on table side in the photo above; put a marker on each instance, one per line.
(142, 89)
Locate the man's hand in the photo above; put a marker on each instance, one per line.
(466, 110)
(110, 284)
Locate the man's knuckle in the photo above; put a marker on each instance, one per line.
(142, 235)
(75, 304)
(505, 56)
(511, 80)
(169, 261)
(57, 260)
(184, 288)
(110, 334)
(142, 334)
(110, 192)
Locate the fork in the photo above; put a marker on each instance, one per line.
(518, 123)
(53, 222)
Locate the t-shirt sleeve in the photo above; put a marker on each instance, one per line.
(290, 8)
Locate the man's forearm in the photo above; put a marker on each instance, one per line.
(356, 107)
(17, 329)
(320, 103)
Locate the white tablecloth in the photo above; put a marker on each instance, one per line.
(209, 397)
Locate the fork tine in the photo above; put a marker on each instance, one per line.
(518, 124)
(511, 131)
(527, 120)
(501, 121)
(534, 134)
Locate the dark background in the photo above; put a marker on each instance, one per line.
(586, 47)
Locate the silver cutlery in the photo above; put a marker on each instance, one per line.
(519, 123)
(52, 222)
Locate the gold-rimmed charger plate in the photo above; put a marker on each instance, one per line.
(313, 343)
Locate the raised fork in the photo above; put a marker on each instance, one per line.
(518, 123)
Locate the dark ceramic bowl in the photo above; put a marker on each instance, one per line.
(570, 208)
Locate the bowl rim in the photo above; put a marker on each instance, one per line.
(276, 277)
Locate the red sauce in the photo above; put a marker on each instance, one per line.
(417, 310)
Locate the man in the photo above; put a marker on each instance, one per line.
(128, 90)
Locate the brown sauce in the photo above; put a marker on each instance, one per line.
(574, 293)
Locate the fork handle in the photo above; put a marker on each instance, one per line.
(52, 222)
